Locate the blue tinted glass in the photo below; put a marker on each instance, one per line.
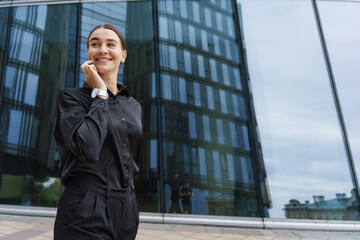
(182, 90)
(31, 89)
(40, 59)
(4, 30)
(206, 126)
(201, 66)
(220, 131)
(213, 70)
(197, 94)
(199, 106)
(210, 97)
(234, 140)
(223, 101)
(187, 61)
(192, 125)
(178, 30)
(14, 126)
(153, 154)
(163, 27)
(166, 86)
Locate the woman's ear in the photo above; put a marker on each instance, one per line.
(124, 54)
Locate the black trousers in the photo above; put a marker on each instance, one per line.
(88, 210)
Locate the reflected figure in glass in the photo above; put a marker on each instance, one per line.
(186, 195)
(175, 194)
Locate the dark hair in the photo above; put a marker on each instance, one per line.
(110, 27)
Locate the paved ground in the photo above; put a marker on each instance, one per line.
(40, 228)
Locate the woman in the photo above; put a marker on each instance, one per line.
(98, 134)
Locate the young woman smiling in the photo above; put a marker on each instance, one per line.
(98, 134)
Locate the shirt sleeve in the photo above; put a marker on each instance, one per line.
(83, 131)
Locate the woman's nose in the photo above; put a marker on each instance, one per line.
(103, 49)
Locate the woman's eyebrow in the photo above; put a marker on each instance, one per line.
(111, 40)
(96, 39)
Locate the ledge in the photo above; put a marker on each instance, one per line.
(207, 220)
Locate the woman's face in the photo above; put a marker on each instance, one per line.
(105, 50)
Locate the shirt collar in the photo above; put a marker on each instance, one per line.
(123, 90)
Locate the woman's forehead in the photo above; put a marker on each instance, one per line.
(104, 34)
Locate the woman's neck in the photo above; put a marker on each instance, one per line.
(110, 81)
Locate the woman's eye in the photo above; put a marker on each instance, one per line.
(94, 44)
(111, 45)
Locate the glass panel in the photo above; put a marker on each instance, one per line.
(301, 140)
(134, 19)
(196, 130)
(343, 42)
(40, 53)
(4, 30)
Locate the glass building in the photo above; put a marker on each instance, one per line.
(252, 102)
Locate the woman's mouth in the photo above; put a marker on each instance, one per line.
(103, 59)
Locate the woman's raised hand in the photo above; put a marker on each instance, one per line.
(92, 77)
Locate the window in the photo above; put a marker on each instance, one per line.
(223, 101)
(163, 27)
(206, 125)
(213, 70)
(216, 44)
(220, 131)
(201, 65)
(153, 154)
(187, 60)
(196, 12)
(166, 86)
(225, 74)
(204, 40)
(183, 8)
(182, 90)
(172, 57)
(178, 35)
(197, 95)
(233, 134)
(31, 89)
(192, 36)
(210, 97)
(14, 126)
(207, 17)
(192, 125)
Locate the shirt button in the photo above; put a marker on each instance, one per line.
(123, 119)
(126, 170)
(124, 144)
(115, 101)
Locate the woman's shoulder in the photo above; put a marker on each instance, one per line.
(75, 92)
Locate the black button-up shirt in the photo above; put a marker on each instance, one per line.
(98, 139)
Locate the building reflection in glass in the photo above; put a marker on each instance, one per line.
(36, 67)
(205, 119)
(339, 208)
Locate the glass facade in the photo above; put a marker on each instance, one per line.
(237, 97)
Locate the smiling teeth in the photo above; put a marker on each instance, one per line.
(103, 60)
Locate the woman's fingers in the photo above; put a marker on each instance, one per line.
(85, 66)
(92, 77)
